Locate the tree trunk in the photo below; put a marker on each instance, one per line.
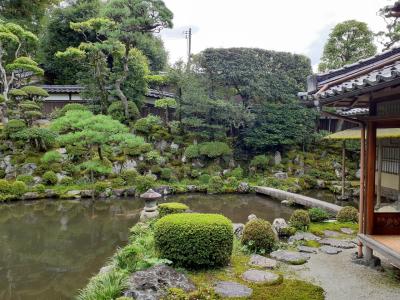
(120, 80)
(99, 152)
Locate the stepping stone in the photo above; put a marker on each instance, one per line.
(291, 257)
(262, 262)
(330, 233)
(230, 289)
(306, 249)
(330, 250)
(258, 276)
(347, 230)
(344, 244)
(303, 236)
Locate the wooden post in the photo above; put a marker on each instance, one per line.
(343, 168)
(371, 159)
(361, 204)
(379, 176)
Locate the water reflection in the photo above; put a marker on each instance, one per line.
(49, 249)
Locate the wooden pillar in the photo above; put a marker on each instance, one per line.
(361, 204)
(343, 168)
(370, 189)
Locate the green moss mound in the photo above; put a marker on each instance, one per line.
(171, 208)
(317, 214)
(300, 219)
(194, 240)
(259, 236)
(347, 214)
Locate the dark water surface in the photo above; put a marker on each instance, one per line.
(49, 249)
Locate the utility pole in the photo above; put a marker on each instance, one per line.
(188, 36)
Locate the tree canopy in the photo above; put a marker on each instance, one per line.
(348, 42)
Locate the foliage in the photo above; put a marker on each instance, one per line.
(143, 183)
(214, 149)
(129, 176)
(50, 178)
(319, 228)
(260, 162)
(13, 127)
(27, 179)
(171, 208)
(68, 107)
(148, 125)
(40, 188)
(215, 185)
(237, 172)
(300, 219)
(348, 42)
(317, 214)
(166, 174)
(18, 188)
(96, 166)
(105, 286)
(166, 104)
(204, 179)
(116, 111)
(258, 236)
(39, 138)
(51, 157)
(347, 214)
(391, 36)
(192, 151)
(194, 240)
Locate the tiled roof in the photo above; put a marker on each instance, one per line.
(353, 112)
(76, 89)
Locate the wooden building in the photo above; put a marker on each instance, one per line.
(61, 95)
(372, 83)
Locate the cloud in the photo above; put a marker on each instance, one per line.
(316, 47)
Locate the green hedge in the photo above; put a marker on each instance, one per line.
(171, 208)
(194, 240)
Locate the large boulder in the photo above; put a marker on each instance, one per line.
(243, 187)
(281, 175)
(28, 169)
(280, 225)
(153, 283)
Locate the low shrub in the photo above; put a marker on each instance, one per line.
(300, 219)
(204, 179)
(214, 149)
(231, 184)
(27, 179)
(318, 214)
(50, 178)
(67, 180)
(101, 186)
(117, 112)
(5, 186)
(171, 208)
(117, 182)
(129, 176)
(237, 173)
(260, 162)
(40, 188)
(51, 157)
(192, 151)
(347, 214)
(18, 188)
(194, 240)
(127, 258)
(166, 174)
(215, 185)
(143, 183)
(105, 286)
(259, 236)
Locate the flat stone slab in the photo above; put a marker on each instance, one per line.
(330, 233)
(230, 289)
(306, 249)
(291, 257)
(344, 244)
(258, 276)
(330, 250)
(303, 236)
(347, 230)
(262, 262)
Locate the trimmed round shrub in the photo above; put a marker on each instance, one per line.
(5, 186)
(171, 208)
(101, 186)
(300, 219)
(204, 178)
(129, 176)
(192, 151)
(18, 188)
(50, 178)
(194, 240)
(27, 179)
(40, 188)
(259, 236)
(347, 214)
(117, 111)
(215, 185)
(318, 214)
(143, 183)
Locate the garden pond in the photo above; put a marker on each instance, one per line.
(50, 249)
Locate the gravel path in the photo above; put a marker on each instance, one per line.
(343, 279)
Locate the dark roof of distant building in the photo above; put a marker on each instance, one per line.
(76, 89)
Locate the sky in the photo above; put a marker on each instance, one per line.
(300, 27)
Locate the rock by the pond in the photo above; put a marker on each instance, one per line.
(49, 193)
(259, 276)
(30, 196)
(262, 262)
(153, 283)
(344, 244)
(230, 289)
(191, 188)
(320, 184)
(330, 233)
(346, 230)
(86, 193)
(306, 249)
(118, 192)
(291, 257)
(73, 194)
(130, 191)
(163, 190)
(329, 249)
(243, 187)
(281, 175)
(238, 229)
(251, 217)
(303, 236)
(279, 225)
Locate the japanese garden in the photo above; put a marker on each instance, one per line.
(232, 173)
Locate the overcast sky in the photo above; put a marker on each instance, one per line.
(294, 26)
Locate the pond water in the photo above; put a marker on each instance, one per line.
(328, 196)
(49, 249)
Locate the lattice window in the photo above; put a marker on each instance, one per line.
(391, 108)
(391, 160)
